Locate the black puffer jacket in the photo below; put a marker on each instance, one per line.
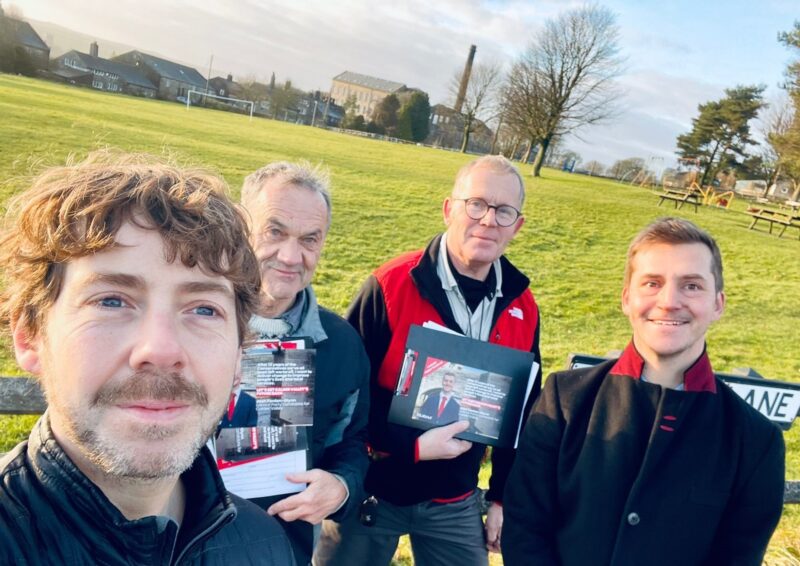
(50, 513)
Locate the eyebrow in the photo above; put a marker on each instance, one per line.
(135, 282)
(682, 277)
(271, 221)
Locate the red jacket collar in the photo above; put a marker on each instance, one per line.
(699, 376)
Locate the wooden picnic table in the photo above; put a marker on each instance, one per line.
(680, 197)
(786, 218)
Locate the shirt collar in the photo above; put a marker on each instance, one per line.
(447, 278)
(698, 377)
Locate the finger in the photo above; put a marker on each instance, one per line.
(457, 427)
(301, 477)
(291, 515)
(285, 505)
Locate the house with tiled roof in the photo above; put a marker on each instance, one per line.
(366, 91)
(173, 81)
(225, 86)
(112, 76)
(22, 37)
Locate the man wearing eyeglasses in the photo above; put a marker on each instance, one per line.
(425, 483)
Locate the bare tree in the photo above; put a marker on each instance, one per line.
(565, 78)
(775, 126)
(480, 97)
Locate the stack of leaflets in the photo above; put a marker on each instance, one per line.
(266, 433)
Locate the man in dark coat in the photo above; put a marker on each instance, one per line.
(128, 285)
(649, 459)
(290, 210)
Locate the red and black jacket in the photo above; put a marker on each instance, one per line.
(406, 291)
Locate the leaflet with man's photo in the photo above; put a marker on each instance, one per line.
(264, 435)
(282, 383)
(447, 377)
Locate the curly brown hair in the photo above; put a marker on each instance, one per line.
(75, 210)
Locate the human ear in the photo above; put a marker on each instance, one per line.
(719, 305)
(447, 208)
(625, 307)
(27, 349)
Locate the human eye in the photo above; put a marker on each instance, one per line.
(111, 302)
(310, 241)
(205, 310)
(694, 287)
(476, 205)
(506, 213)
(273, 233)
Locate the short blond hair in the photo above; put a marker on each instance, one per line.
(675, 231)
(76, 210)
(496, 164)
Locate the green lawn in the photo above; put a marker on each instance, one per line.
(387, 199)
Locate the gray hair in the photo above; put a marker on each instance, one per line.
(314, 178)
(496, 164)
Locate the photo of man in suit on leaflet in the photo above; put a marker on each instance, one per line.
(441, 406)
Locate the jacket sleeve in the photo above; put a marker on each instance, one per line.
(754, 511)
(503, 458)
(530, 505)
(367, 314)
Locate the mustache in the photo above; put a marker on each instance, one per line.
(152, 385)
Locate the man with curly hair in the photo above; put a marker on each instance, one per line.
(128, 286)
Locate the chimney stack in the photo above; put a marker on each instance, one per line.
(94, 49)
(462, 89)
(230, 78)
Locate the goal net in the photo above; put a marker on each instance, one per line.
(226, 100)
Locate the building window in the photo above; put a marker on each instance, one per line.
(97, 84)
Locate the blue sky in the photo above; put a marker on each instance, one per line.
(678, 53)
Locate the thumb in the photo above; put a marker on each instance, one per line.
(456, 427)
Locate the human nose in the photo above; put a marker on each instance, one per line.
(490, 218)
(290, 252)
(158, 344)
(669, 297)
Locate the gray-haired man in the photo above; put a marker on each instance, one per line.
(290, 210)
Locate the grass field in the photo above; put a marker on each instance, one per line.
(387, 199)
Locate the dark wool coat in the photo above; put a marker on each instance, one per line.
(615, 470)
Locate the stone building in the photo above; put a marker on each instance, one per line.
(21, 36)
(107, 75)
(173, 81)
(368, 91)
(447, 130)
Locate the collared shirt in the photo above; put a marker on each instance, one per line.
(478, 323)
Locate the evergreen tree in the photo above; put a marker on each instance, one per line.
(413, 122)
(721, 132)
(384, 119)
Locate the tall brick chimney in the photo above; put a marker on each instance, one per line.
(94, 49)
(462, 89)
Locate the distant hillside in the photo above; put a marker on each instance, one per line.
(60, 40)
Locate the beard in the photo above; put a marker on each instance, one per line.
(132, 450)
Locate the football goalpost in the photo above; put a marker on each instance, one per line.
(225, 98)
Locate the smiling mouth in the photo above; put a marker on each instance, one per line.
(669, 322)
